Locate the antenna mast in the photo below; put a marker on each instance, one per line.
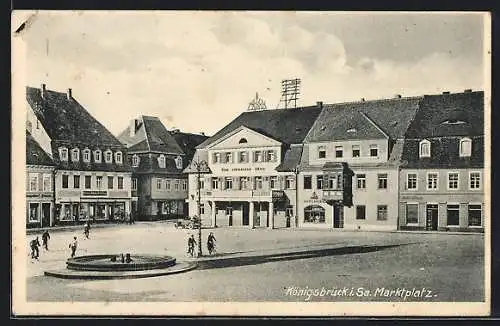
(290, 90)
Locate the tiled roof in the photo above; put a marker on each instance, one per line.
(289, 126)
(457, 114)
(291, 159)
(150, 135)
(364, 120)
(188, 142)
(35, 155)
(148, 163)
(65, 119)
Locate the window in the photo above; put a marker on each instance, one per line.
(110, 182)
(373, 150)
(381, 212)
(243, 141)
(273, 183)
(178, 162)
(176, 185)
(167, 184)
(108, 156)
(307, 182)
(289, 183)
(216, 158)
(411, 181)
(360, 212)
(411, 213)
(257, 156)
(75, 155)
(118, 157)
(202, 208)
(134, 183)
(452, 214)
(243, 157)
(184, 185)
(321, 152)
(270, 156)
(475, 215)
(98, 181)
(258, 183)
(243, 183)
(97, 156)
(452, 180)
(465, 147)
(339, 151)
(162, 161)
(120, 182)
(432, 181)
(76, 181)
(382, 181)
(86, 155)
(215, 183)
(63, 153)
(314, 214)
(158, 183)
(229, 157)
(88, 181)
(425, 148)
(34, 212)
(289, 211)
(46, 182)
(33, 182)
(355, 151)
(229, 183)
(135, 161)
(475, 180)
(65, 181)
(201, 184)
(319, 182)
(361, 181)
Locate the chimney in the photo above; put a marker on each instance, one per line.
(319, 104)
(175, 130)
(362, 99)
(42, 90)
(133, 127)
(69, 94)
(202, 133)
(468, 90)
(446, 93)
(397, 96)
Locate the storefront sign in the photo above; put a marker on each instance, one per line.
(278, 194)
(412, 197)
(94, 193)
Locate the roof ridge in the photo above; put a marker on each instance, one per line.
(146, 132)
(374, 124)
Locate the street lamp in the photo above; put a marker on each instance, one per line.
(199, 166)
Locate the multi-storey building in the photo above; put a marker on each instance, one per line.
(442, 178)
(349, 166)
(250, 176)
(158, 157)
(93, 178)
(39, 184)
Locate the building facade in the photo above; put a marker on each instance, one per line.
(442, 177)
(92, 179)
(39, 185)
(157, 157)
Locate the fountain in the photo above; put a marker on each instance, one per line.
(112, 266)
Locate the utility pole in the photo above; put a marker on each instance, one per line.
(290, 90)
(199, 165)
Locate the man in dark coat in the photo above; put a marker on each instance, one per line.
(34, 244)
(45, 239)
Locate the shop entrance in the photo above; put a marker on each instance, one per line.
(45, 214)
(432, 217)
(338, 216)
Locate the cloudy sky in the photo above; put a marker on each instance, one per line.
(198, 71)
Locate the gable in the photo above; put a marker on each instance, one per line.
(244, 137)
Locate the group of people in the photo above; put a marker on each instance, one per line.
(210, 244)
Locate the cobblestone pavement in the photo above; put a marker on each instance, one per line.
(274, 265)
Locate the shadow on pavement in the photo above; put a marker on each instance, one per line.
(261, 259)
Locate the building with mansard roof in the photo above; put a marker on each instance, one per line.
(93, 177)
(158, 157)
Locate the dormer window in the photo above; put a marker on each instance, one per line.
(465, 147)
(161, 161)
(97, 156)
(243, 141)
(108, 156)
(178, 162)
(86, 155)
(63, 153)
(75, 155)
(425, 148)
(119, 157)
(135, 161)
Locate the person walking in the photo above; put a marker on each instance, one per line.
(191, 244)
(45, 239)
(34, 244)
(211, 243)
(73, 245)
(86, 230)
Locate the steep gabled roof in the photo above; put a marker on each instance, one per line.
(289, 126)
(188, 142)
(66, 120)
(35, 155)
(291, 159)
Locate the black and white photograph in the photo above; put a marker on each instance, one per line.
(251, 163)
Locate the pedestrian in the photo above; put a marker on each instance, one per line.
(191, 244)
(45, 239)
(86, 230)
(211, 243)
(73, 245)
(34, 244)
(132, 218)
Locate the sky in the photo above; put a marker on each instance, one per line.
(197, 71)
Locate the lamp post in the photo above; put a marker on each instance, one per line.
(199, 166)
(296, 219)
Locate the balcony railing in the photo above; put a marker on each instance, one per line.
(336, 194)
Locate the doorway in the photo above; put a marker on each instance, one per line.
(229, 215)
(432, 217)
(246, 219)
(338, 216)
(46, 214)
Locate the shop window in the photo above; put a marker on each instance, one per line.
(120, 182)
(361, 181)
(360, 212)
(314, 214)
(319, 182)
(465, 147)
(452, 215)
(432, 181)
(382, 181)
(356, 151)
(76, 181)
(65, 181)
(34, 212)
(475, 180)
(475, 215)
(110, 182)
(411, 213)
(381, 212)
(411, 181)
(307, 182)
